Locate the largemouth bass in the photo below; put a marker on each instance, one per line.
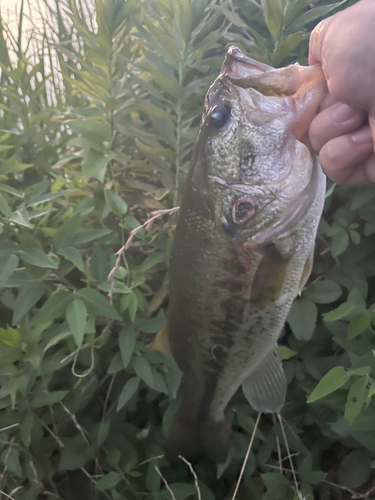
(243, 245)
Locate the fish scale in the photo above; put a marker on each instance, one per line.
(243, 245)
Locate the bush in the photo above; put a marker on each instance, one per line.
(99, 114)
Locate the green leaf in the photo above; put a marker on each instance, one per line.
(285, 353)
(286, 48)
(74, 255)
(108, 481)
(341, 311)
(340, 243)
(11, 458)
(8, 265)
(302, 318)
(97, 305)
(64, 236)
(128, 392)
(76, 453)
(234, 19)
(358, 324)
(95, 163)
(127, 343)
(41, 399)
(99, 268)
(274, 16)
(37, 258)
(44, 198)
(152, 325)
(26, 428)
(10, 337)
(129, 302)
(357, 396)
(181, 490)
(323, 292)
(94, 132)
(11, 190)
(151, 261)
(331, 382)
(115, 203)
(54, 307)
(143, 369)
(355, 467)
(76, 315)
(87, 235)
(28, 296)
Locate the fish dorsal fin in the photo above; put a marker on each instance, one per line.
(161, 341)
(306, 271)
(265, 388)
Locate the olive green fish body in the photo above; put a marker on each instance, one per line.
(242, 249)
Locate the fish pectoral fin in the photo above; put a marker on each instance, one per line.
(265, 388)
(306, 271)
(161, 341)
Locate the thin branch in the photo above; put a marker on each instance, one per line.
(165, 482)
(355, 495)
(247, 456)
(9, 427)
(8, 496)
(79, 427)
(278, 446)
(288, 451)
(149, 460)
(57, 439)
(194, 475)
(146, 225)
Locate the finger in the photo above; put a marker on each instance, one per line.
(334, 121)
(328, 101)
(316, 41)
(364, 173)
(342, 156)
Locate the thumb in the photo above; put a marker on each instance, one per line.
(371, 120)
(317, 40)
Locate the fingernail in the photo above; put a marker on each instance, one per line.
(363, 136)
(342, 112)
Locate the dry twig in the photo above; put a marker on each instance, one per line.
(194, 475)
(165, 482)
(247, 456)
(146, 225)
(288, 451)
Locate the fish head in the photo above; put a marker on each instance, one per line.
(255, 169)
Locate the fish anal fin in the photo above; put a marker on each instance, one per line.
(306, 271)
(161, 341)
(265, 388)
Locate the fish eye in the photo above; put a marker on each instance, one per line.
(220, 115)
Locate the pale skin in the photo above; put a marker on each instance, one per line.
(343, 132)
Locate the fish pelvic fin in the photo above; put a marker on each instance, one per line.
(190, 438)
(161, 340)
(265, 388)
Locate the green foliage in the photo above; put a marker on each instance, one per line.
(98, 120)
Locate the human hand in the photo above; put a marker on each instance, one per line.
(343, 132)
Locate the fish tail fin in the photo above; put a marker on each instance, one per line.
(189, 437)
